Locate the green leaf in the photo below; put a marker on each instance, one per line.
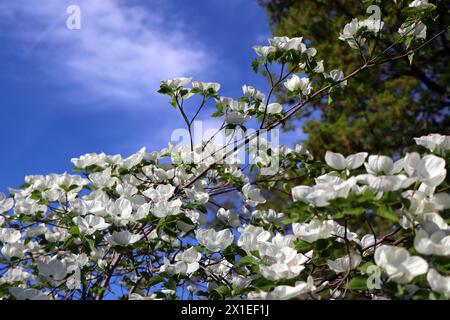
(155, 280)
(263, 284)
(442, 264)
(358, 283)
(255, 65)
(424, 11)
(365, 266)
(229, 254)
(303, 246)
(217, 114)
(246, 261)
(387, 213)
(74, 230)
(196, 90)
(36, 195)
(165, 89)
(355, 211)
(91, 244)
(223, 290)
(322, 244)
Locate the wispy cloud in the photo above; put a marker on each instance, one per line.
(121, 52)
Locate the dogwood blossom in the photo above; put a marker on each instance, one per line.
(287, 263)
(14, 275)
(251, 237)
(434, 236)
(253, 92)
(264, 51)
(398, 264)
(338, 162)
(186, 262)
(123, 238)
(299, 291)
(439, 283)
(272, 108)
(177, 82)
(351, 33)
(337, 76)
(252, 195)
(205, 86)
(299, 85)
(90, 224)
(314, 230)
(343, 264)
(28, 294)
(417, 3)
(434, 142)
(417, 30)
(6, 204)
(214, 241)
(229, 217)
(328, 187)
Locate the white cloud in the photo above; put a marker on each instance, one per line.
(121, 52)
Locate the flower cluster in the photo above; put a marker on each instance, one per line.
(62, 233)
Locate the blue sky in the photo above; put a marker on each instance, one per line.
(64, 92)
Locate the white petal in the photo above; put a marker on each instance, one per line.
(335, 160)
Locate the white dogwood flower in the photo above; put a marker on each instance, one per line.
(251, 236)
(229, 217)
(284, 292)
(343, 264)
(10, 235)
(416, 29)
(431, 170)
(434, 236)
(177, 82)
(205, 86)
(300, 85)
(264, 51)
(434, 142)
(53, 270)
(28, 294)
(14, 250)
(287, 264)
(120, 211)
(13, 275)
(349, 35)
(162, 192)
(328, 187)
(250, 91)
(214, 240)
(186, 262)
(314, 230)
(398, 264)
(252, 195)
(272, 108)
(438, 282)
(337, 76)
(6, 204)
(338, 162)
(90, 224)
(123, 238)
(166, 208)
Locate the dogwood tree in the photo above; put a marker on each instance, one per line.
(192, 221)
